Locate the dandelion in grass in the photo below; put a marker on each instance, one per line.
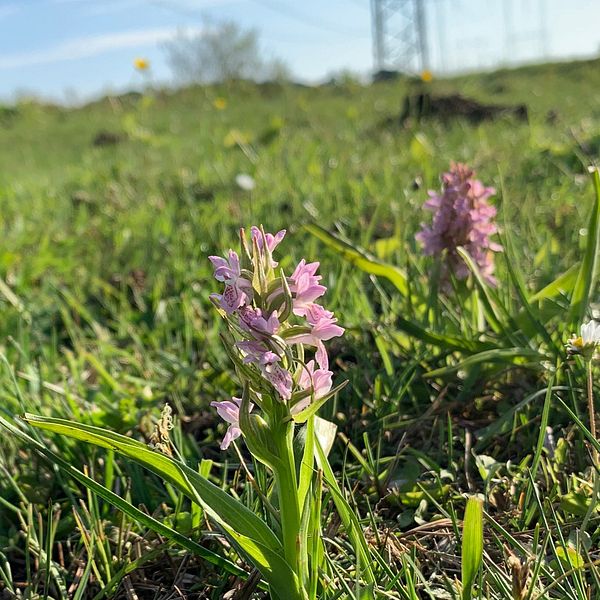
(276, 324)
(426, 76)
(462, 218)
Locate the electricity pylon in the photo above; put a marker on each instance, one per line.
(400, 35)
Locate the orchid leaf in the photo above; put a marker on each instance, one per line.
(247, 531)
(125, 506)
(361, 259)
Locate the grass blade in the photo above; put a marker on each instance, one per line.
(586, 277)
(361, 259)
(500, 355)
(563, 284)
(124, 506)
(472, 545)
(347, 516)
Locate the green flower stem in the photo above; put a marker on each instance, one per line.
(592, 412)
(287, 492)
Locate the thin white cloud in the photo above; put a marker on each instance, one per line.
(190, 8)
(85, 47)
(117, 6)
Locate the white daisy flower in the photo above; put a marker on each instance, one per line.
(586, 342)
(245, 182)
(590, 333)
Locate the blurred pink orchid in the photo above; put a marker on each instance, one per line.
(462, 217)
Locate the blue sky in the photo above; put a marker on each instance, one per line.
(73, 49)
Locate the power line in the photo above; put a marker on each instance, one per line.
(269, 4)
(300, 17)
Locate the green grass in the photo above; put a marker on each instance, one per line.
(104, 317)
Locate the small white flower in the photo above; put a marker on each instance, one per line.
(590, 333)
(585, 343)
(245, 182)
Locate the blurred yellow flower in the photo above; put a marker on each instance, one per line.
(141, 64)
(235, 137)
(220, 103)
(426, 76)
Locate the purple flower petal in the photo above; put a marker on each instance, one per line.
(229, 411)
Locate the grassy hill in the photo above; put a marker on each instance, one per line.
(328, 146)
